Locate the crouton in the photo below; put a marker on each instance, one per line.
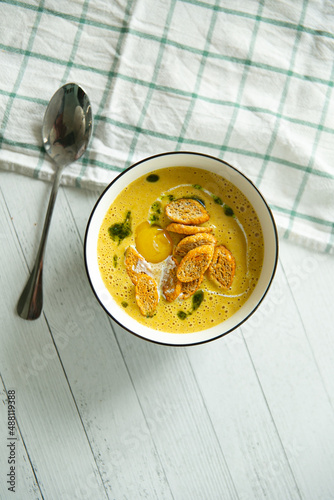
(187, 211)
(135, 264)
(188, 289)
(222, 267)
(193, 241)
(147, 296)
(195, 263)
(171, 286)
(174, 227)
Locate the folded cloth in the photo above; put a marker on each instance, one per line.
(249, 82)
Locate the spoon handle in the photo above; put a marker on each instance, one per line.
(31, 301)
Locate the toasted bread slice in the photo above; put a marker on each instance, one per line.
(135, 264)
(147, 296)
(222, 267)
(174, 227)
(171, 286)
(188, 289)
(187, 211)
(193, 241)
(195, 263)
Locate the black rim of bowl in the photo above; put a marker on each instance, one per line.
(186, 344)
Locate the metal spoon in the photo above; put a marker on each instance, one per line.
(67, 129)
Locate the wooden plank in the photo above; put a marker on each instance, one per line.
(310, 277)
(15, 467)
(242, 420)
(46, 412)
(178, 420)
(291, 381)
(98, 379)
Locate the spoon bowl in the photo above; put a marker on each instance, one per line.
(66, 132)
(67, 125)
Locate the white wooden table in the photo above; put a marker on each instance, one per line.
(101, 414)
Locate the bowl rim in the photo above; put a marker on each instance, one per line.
(265, 291)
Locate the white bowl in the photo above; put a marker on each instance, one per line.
(200, 161)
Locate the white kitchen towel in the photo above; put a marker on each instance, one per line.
(250, 82)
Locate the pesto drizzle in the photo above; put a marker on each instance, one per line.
(121, 230)
(227, 210)
(152, 178)
(197, 300)
(155, 212)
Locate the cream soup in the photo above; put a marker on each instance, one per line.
(235, 225)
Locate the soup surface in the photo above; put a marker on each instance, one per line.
(137, 218)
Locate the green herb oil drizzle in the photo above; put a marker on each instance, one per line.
(121, 230)
(155, 210)
(197, 300)
(152, 178)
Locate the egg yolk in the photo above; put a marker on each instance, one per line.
(153, 243)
